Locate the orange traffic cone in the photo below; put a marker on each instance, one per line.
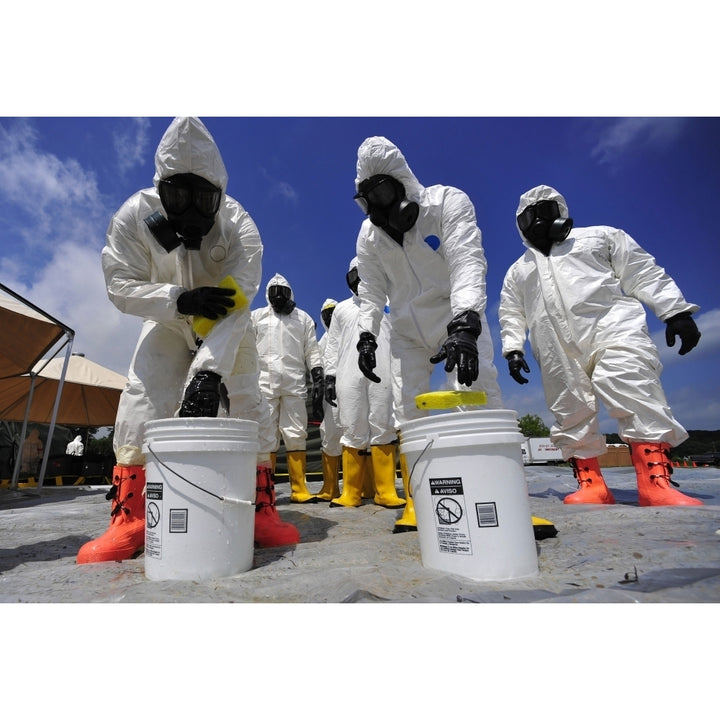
(126, 535)
(653, 470)
(591, 484)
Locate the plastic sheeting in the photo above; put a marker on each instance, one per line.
(602, 554)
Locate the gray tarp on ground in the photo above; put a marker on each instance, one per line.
(610, 554)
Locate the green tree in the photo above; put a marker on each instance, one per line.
(533, 426)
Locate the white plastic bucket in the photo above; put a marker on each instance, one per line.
(468, 485)
(199, 499)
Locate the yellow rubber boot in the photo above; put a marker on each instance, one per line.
(273, 461)
(591, 484)
(353, 463)
(331, 478)
(383, 462)
(407, 522)
(368, 486)
(653, 469)
(299, 492)
(125, 537)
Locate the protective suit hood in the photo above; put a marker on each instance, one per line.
(378, 156)
(278, 279)
(188, 147)
(538, 193)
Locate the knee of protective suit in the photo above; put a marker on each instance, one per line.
(246, 358)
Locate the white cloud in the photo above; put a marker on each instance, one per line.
(54, 221)
(131, 144)
(709, 325)
(624, 134)
(47, 199)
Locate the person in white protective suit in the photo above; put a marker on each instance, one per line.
(365, 407)
(75, 446)
(580, 294)
(167, 250)
(288, 349)
(330, 431)
(421, 249)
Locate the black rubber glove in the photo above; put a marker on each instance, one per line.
(210, 302)
(684, 326)
(330, 396)
(318, 392)
(204, 395)
(516, 363)
(460, 348)
(366, 359)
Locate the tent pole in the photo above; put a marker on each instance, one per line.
(68, 352)
(18, 459)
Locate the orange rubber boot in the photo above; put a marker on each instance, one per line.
(126, 535)
(270, 530)
(591, 484)
(653, 469)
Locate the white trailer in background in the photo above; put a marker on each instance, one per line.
(540, 451)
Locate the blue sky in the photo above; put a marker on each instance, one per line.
(61, 178)
(612, 109)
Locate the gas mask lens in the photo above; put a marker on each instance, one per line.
(543, 210)
(377, 192)
(352, 278)
(326, 315)
(278, 292)
(178, 195)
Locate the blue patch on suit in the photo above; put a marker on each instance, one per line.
(433, 241)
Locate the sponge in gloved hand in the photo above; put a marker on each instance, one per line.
(202, 325)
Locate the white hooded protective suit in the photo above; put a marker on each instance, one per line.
(365, 407)
(288, 350)
(426, 288)
(587, 328)
(75, 447)
(144, 279)
(330, 431)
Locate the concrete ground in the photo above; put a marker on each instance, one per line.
(619, 619)
(602, 554)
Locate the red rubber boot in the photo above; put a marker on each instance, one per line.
(125, 537)
(270, 531)
(591, 484)
(653, 469)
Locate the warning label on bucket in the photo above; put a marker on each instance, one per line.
(153, 520)
(451, 518)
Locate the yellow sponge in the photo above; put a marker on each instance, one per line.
(445, 399)
(202, 325)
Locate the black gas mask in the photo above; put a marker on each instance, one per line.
(382, 199)
(191, 203)
(352, 277)
(326, 315)
(542, 226)
(279, 299)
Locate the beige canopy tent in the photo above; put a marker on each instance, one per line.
(90, 394)
(28, 335)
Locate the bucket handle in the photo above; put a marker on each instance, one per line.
(412, 470)
(235, 501)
